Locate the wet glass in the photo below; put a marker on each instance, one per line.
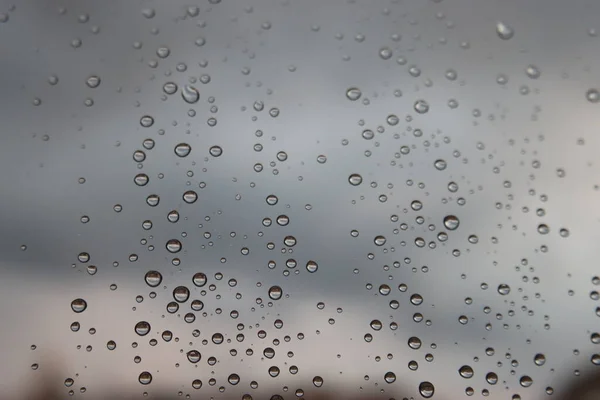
(297, 198)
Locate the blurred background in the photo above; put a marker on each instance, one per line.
(371, 197)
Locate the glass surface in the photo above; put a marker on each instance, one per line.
(365, 199)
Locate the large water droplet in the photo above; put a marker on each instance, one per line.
(275, 292)
(183, 149)
(215, 151)
(193, 356)
(389, 377)
(173, 246)
(426, 389)
(503, 289)
(145, 378)
(181, 294)
(466, 371)
(142, 328)
(421, 106)
(78, 305)
(190, 94)
(353, 94)
(451, 222)
(504, 31)
(593, 95)
(355, 179)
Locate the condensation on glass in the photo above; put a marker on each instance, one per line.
(277, 199)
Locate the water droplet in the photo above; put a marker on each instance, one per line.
(215, 151)
(173, 246)
(414, 343)
(466, 371)
(78, 305)
(451, 222)
(312, 266)
(183, 149)
(440, 165)
(504, 31)
(421, 106)
(190, 94)
(491, 378)
(543, 229)
(111, 345)
(275, 292)
(533, 72)
(170, 88)
(194, 356)
(385, 53)
(146, 121)
(141, 179)
(368, 134)
(153, 278)
(539, 359)
(233, 379)
(145, 378)
(389, 377)
(273, 371)
(503, 289)
(163, 52)
(318, 381)
(83, 257)
(526, 381)
(142, 328)
(181, 294)
(355, 179)
(353, 93)
(199, 279)
(426, 389)
(379, 240)
(190, 197)
(93, 81)
(593, 95)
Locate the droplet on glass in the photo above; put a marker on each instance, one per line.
(355, 179)
(466, 371)
(142, 328)
(353, 93)
(451, 222)
(78, 305)
(93, 81)
(421, 106)
(183, 149)
(145, 378)
(153, 278)
(426, 389)
(215, 151)
(190, 94)
(173, 246)
(275, 292)
(504, 31)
